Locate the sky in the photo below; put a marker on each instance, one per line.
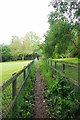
(17, 17)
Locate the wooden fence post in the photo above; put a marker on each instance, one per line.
(29, 68)
(63, 67)
(24, 73)
(14, 90)
(55, 64)
(48, 62)
(51, 62)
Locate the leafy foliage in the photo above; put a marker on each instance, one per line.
(62, 99)
(57, 39)
(62, 37)
(67, 9)
(27, 45)
(20, 48)
(15, 47)
(5, 53)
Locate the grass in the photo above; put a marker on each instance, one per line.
(73, 60)
(8, 68)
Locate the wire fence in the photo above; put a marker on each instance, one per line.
(68, 70)
(11, 88)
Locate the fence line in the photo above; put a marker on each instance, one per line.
(11, 88)
(62, 68)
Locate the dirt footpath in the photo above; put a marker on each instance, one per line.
(40, 103)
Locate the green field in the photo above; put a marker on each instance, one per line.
(73, 60)
(8, 68)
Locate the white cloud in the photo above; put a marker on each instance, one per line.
(17, 17)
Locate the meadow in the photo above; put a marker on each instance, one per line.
(8, 68)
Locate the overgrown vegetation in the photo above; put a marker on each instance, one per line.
(62, 98)
(25, 101)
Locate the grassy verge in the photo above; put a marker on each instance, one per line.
(63, 102)
(8, 68)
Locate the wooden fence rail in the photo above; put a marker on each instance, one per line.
(65, 68)
(11, 88)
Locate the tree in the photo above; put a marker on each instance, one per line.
(30, 43)
(57, 38)
(63, 30)
(67, 9)
(16, 47)
(24, 46)
(69, 12)
(5, 53)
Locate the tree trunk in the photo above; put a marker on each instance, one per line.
(23, 57)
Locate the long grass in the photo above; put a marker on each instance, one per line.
(8, 68)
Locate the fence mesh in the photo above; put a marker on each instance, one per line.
(7, 94)
(20, 80)
(71, 71)
(7, 97)
(0, 105)
(59, 66)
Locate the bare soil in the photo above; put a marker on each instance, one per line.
(40, 102)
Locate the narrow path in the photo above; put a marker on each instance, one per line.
(40, 103)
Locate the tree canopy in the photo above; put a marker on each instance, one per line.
(5, 53)
(19, 48)
(62, 37)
